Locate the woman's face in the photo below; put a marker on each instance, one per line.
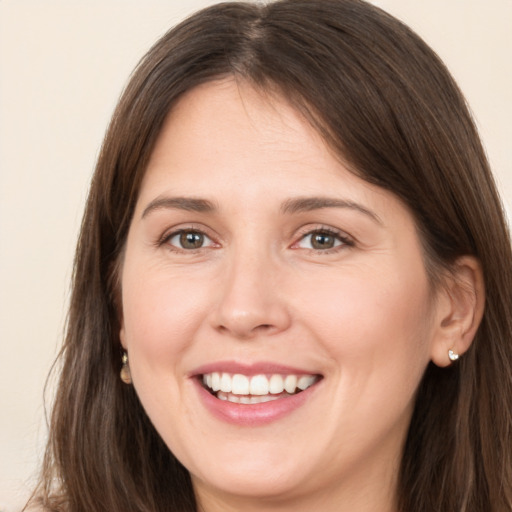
(257, 263)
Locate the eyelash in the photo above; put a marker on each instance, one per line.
(340, 236)
(343, 238)
(165, 240)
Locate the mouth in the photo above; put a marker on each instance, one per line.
(255, 389)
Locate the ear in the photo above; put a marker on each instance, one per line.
(460, 303)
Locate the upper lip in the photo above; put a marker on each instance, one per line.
(249, 369)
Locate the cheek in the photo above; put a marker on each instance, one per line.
(373, 318)
(160, 314)
(376, 332)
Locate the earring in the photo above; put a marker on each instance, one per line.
(453, 355)
(125, 374)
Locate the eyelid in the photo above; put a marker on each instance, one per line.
(342, 236)
(178, 230)
(178, 234)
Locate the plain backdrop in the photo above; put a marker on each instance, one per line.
(62, 67)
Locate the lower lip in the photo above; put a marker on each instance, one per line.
(253, 414)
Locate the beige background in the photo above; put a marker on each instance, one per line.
(62, 67)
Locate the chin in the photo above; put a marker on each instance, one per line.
(264, 470)
(268, 483)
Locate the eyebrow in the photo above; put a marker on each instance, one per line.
(291, 206)
(306, 204)
(190, 204)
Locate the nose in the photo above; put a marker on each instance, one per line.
(251, 301)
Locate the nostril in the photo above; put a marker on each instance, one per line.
(243, 331)
(246, 317)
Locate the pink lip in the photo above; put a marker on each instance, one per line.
(251, 414)
(258, 368)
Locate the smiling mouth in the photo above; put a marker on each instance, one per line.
(255, 389)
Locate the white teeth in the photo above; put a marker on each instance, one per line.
(247, 388)
(215, 381)
(259, 385)
(230, 397)
(240, 384)
(290, 383)
(225, 382)
(261, 399)
(276, 384)
(233, 398)
(305, 381)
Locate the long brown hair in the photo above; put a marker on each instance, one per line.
(386, 104)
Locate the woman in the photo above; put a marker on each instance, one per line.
(294, 256)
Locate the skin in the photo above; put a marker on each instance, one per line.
(362, 314)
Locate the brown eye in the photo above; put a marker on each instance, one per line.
(189, 240)
(323, 240)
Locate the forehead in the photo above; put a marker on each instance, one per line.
(252, 117)
(226, 130)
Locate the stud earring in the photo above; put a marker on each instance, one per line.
(125, 374)
(453, 355)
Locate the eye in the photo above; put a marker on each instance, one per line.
(323, 240)
(189, 239)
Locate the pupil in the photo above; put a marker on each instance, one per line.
(190, 240)
(322, 241)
